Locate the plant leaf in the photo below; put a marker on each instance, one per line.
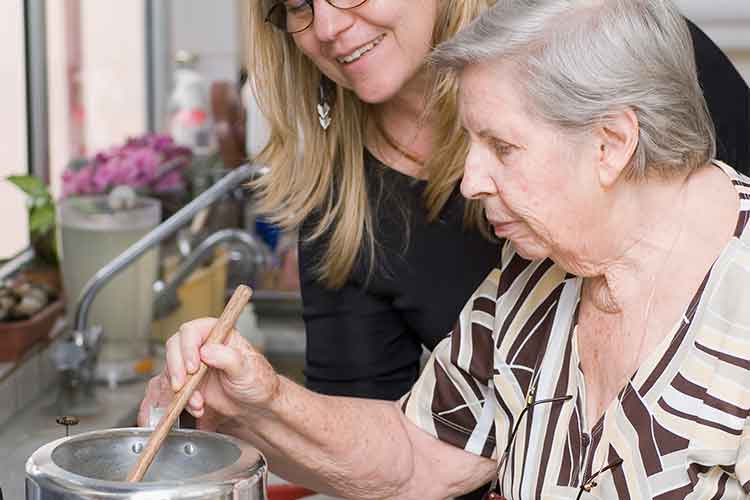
(42, 219)
(30, 185)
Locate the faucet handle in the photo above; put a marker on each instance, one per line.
(92, 339)
(79, 348)
(67, 355)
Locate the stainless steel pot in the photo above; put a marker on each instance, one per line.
(192, 464)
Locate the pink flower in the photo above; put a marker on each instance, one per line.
(136, 163)
(170, 182)
(78, 182)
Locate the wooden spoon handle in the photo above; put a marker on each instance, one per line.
(218, 334)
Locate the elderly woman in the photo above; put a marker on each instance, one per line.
(606, 356)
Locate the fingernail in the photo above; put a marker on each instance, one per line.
(175, 384)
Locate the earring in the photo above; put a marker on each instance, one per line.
(326, 91)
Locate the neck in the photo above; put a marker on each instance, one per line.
(408, 126)
(640, 245)
(410, 102)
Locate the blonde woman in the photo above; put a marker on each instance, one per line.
(389, 249)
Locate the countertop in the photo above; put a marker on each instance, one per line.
(35, 426)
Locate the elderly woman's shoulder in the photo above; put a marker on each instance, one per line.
(723, 311)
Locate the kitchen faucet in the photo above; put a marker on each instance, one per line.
(75, 356)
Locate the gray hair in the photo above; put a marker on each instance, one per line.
(580, 61)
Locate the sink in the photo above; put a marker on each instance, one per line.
(277, 303)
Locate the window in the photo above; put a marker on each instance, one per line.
(13, 137)
(96, 77)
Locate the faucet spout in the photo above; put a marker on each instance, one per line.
(76, 357)
(164, 230)
(255, 253)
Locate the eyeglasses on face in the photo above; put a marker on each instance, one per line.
(293, 16)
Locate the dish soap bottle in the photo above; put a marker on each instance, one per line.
(190, 122)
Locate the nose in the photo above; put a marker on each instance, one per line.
(329, 21)
(477, 182)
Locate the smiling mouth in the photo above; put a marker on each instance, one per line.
(361, 51)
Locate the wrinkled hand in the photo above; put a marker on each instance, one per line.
(241, 381)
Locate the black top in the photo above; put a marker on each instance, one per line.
(728, 99)
(366, 338)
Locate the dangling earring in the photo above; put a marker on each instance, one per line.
(325, 93)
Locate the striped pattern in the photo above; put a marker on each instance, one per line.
(681, 427)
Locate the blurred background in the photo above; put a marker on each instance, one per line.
(83, 75)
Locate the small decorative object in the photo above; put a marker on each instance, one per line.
(326, 93)
(151, 165)
(21, 299)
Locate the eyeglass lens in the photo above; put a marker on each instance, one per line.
(293, 16)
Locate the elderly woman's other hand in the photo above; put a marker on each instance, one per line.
(240, 383)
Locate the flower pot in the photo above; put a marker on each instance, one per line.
(44, 275)
(17, 337)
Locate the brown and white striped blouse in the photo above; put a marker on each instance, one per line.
(679, 429)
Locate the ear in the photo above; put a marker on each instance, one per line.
(617, 140)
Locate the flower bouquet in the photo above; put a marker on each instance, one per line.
(151, 165)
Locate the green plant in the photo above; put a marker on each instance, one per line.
(41, 216)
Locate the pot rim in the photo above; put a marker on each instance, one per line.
(251, 464)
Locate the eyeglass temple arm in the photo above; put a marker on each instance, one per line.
(526, 409)
(590, 483)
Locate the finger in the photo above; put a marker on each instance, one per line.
(237, 341)
(150, 399)
(167, 395)
(164, 385)
(196, 401)
(196, 404)
(196, 413)
(175, 362)
(230, 360)
(193, 335)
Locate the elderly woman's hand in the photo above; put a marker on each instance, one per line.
(241, 380)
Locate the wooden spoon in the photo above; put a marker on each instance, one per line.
(218, 334)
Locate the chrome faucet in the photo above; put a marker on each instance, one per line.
(256, 255)
(76, 356)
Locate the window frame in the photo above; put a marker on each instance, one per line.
(37, 99)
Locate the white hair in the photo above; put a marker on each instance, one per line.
(580, 61)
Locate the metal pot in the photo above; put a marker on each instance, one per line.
(191, 464)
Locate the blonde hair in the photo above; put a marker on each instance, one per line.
(327, 176)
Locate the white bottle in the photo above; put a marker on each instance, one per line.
(190, 122)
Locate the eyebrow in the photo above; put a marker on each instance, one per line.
(488, 134)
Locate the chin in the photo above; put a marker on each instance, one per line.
(530, 250)
(377, 94)
(382, 86)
